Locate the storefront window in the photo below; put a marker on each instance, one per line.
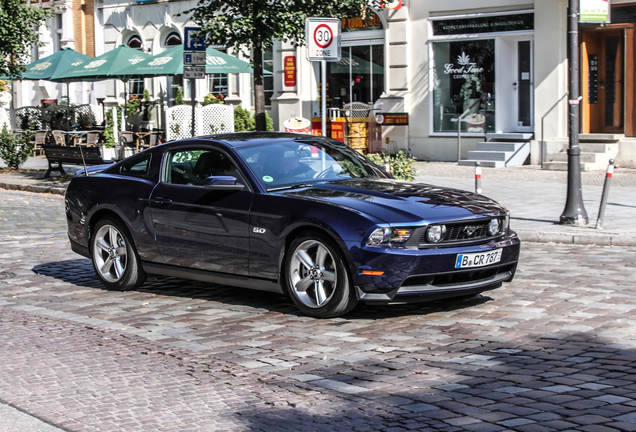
(175, 82)
(357, 77)
(217, 83)
(135, 86)
(463, 71)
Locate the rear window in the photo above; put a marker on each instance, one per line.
(136, 167)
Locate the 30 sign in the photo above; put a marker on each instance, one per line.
(323, 39)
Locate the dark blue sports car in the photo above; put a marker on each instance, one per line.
(296, 214)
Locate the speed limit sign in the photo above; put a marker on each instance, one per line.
(323, 39)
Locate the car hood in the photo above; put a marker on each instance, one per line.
(398, 201)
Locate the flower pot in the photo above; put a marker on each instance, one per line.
(109, 153)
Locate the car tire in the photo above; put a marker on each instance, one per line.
(114, 256)
(316, 277)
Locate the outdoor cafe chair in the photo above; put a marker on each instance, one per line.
(59, 138)
(39, 140)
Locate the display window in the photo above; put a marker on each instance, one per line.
(463, 72)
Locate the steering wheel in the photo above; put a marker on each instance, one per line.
(323, 173)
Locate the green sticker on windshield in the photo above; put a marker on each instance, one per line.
(268, 179)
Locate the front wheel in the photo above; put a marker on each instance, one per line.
(114, 257)
(316, 277)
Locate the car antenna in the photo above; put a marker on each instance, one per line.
(83, 161)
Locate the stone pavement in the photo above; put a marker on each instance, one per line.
(535, 198)
(555, 350)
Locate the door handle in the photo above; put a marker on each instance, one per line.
(162, 200)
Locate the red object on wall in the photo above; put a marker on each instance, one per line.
(335, 128)
(289, 64)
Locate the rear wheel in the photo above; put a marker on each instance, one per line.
(115, 259)
(316, 277)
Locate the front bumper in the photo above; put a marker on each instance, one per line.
(430, 274)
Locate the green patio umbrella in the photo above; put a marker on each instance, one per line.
(105, 66)
(358, 66)
(170, 62)
(46, 68)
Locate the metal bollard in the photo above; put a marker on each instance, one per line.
(387, 165)
(477, 177)
(606, 186)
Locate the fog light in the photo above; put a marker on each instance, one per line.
(436, 233)
(494, 226)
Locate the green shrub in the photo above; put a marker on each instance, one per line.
(244, 121)
(401, 165)
(15, 151)
(178, 99)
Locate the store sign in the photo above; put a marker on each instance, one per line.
(463, 68)
(486, 24)
(289, 66)
(594, 11)
(392, 119)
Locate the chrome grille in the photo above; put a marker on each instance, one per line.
(463, 231)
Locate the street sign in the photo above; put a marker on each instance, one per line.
(194, 58)
(194, 72)
(192, 41)
(323, 39)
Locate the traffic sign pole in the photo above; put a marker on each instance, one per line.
(323, 44)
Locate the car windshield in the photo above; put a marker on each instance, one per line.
(289, 164)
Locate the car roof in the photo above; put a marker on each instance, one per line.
(239, 139)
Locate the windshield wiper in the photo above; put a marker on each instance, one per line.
(296, 186)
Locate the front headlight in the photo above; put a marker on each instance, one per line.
(436, 233)
(494, 226)
(389, 237)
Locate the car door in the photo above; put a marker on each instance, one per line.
(196, 227)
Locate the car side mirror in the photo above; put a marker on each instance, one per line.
(226, 183)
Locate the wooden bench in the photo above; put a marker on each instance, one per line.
(71, 155)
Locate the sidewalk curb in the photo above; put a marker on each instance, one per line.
(36, 189)
(576, 238)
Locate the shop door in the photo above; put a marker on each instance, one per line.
(603, 81)
(524, 86)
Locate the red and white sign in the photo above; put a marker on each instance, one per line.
(323, 39)
(393, 4)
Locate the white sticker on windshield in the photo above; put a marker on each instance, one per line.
(268, 179)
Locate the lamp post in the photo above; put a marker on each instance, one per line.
(574, 212)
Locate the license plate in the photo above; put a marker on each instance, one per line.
(478, 259)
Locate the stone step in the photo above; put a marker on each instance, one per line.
(599, 137)
(488, 155)
(598, 147)
(488, 164)
(563, 157)
(499, 146)
(562, 166)
(509, 136)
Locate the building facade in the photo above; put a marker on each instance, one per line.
(505, 61)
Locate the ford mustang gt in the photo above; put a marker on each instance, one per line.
(301, 215)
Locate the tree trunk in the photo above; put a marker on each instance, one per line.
(259, 88)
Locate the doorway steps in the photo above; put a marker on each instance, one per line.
(500, 150)
(596, 151)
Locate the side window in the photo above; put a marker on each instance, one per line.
(136, 167)
(193, 166)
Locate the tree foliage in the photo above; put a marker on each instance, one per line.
(18, 33)
(255, 24)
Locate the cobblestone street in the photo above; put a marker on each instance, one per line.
(552, 351)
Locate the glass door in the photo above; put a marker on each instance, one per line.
(524, 86)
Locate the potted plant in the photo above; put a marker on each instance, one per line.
(146, 121)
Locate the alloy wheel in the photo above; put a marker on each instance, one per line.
(312, 273)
